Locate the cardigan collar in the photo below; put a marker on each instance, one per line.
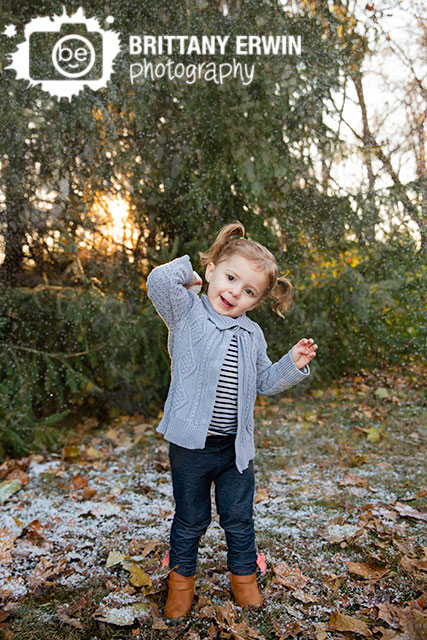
(226, 322)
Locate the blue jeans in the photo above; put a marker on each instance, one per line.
(193, 471)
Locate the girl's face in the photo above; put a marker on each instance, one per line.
(235, 286)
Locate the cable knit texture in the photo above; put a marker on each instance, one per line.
(198, 341)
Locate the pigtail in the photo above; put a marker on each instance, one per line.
(227, 233)
(282, 294)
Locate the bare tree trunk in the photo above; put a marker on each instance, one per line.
(368, 144)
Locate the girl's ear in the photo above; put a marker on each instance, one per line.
(209, 271)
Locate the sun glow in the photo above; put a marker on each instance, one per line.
(114, 221)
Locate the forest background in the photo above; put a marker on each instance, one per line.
(96, 191)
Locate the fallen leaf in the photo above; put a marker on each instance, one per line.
(4, 615)
(138, 577)
(332, 581)
(406, 511)
(382, 392)
(44, 570)
(88, 493)
(289, 577)
(35, 530)
(91, 452)
(123, 616)
(150, 546)
(302, 596)
(261, 495)
(114, 557)
(21, 476)
(357, 460)
(374, 434)
(8, 489)
(289, 629)
(351, 479)
(7, 539)
(368, 570)
(64, 617)
(13, 587)
(340, 622)
(79, 482)
(413, 564)
(70, 452)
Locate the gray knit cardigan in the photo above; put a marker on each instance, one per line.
(198, 340)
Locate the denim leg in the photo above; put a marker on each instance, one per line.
(192, 481)
(234, 493)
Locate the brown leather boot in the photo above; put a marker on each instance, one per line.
(245, 591)
(180, 595)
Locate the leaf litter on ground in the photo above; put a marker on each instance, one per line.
(340, 520)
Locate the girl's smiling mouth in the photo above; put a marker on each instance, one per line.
(226, 303)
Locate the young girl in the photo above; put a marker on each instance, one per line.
(219, 364)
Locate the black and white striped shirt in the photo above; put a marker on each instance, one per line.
(224, 417)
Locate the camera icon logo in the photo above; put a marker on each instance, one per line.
(66, 53)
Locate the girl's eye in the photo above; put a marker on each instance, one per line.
(230, 277)
(249, 292)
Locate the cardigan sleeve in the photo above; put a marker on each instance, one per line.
(283, 374)
(166, 290)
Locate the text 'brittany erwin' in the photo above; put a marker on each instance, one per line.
(211, 45)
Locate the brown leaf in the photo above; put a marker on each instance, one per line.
(414, 564)
(72, 621)
(225, 617)
(261, 495)
(150, 546)
(88, 493)
(368, 570)
(332, 581)
(79, 482)
(289, 577)
(413, 621)
(406, 511)
(7, 539)
(289, 629)
(44, 570)
(304, 597)
(351, 479)
(35, 530)
(21, 476)
(4, 615)
(340, 622)
(389, 614)
(408, 547)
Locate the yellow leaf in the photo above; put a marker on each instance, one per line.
(114, 557)
(93, 453)
(138, 577)
(373, 434)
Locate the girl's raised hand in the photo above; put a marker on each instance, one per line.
(303, 351)
(196, 283)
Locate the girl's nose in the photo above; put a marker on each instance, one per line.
(235, 291)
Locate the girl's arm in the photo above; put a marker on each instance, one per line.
(283, 374)
(167, 289)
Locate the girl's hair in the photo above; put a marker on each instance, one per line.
(230, 240)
